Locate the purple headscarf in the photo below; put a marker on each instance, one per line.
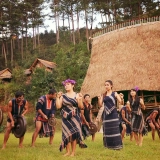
(136, 88)
(69, 81)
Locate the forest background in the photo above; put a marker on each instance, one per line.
(68, 45)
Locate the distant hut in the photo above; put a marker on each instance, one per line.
(129, 57)
(5, 75)
(39, 63)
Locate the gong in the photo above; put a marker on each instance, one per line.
(92, 128)
(1, 117)
(52, 121)
(20, 126)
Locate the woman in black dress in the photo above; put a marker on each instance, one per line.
(137, 122)
(111, 133)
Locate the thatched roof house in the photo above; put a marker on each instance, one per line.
(129, 57)
(5, 74)
(40, 63)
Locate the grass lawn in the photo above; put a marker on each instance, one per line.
(95, 151)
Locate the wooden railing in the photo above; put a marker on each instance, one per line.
(126, 24)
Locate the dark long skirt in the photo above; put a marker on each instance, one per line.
(111, 132)
(137, 123)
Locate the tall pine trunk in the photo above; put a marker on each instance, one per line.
(87, 32)
(73, 33)
(11, 52)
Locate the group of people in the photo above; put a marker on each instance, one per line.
(132, 121)
(75, 110)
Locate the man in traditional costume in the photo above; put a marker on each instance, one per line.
(86, 115)
(45, 110)
(18, 106)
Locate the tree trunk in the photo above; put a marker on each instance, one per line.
(102, 20)
(38, 41)
(33, 38)
(73, 33)
(26, 44)
(91, 23)
(4, 52)
(56, 24)
(78, 26)
(87, 33)
(69, 28)
(22, 48)
(11, 52)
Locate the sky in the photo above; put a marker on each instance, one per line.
(50, 24)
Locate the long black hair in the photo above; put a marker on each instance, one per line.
(111, 83)
(137, 99)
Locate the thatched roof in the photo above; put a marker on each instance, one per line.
(129, 57)
(27, 71)
(47, 64)
(6, 73)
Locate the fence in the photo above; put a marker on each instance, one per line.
(126, 24)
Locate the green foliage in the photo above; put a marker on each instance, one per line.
(41, 82)
(72, 63)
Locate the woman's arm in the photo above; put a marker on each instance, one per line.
(118, 97)
(100, 100)
(79, 100)
(142, 104)
(59, 100)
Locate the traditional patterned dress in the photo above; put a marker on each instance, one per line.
(48, 107)
(71, 122)
(137, 122)
(111, 133)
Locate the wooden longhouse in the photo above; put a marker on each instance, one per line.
(129, 57)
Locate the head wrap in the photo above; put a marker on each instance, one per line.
(136, 88)
(69, 81)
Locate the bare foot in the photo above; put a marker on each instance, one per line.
(20, 146)
(140, 144)
(67, 154)
(33, 146)
(72, 155)
(3, 147)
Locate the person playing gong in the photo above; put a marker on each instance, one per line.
(46, 110)
(18, 106)
(86, 114)
(70, 104)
